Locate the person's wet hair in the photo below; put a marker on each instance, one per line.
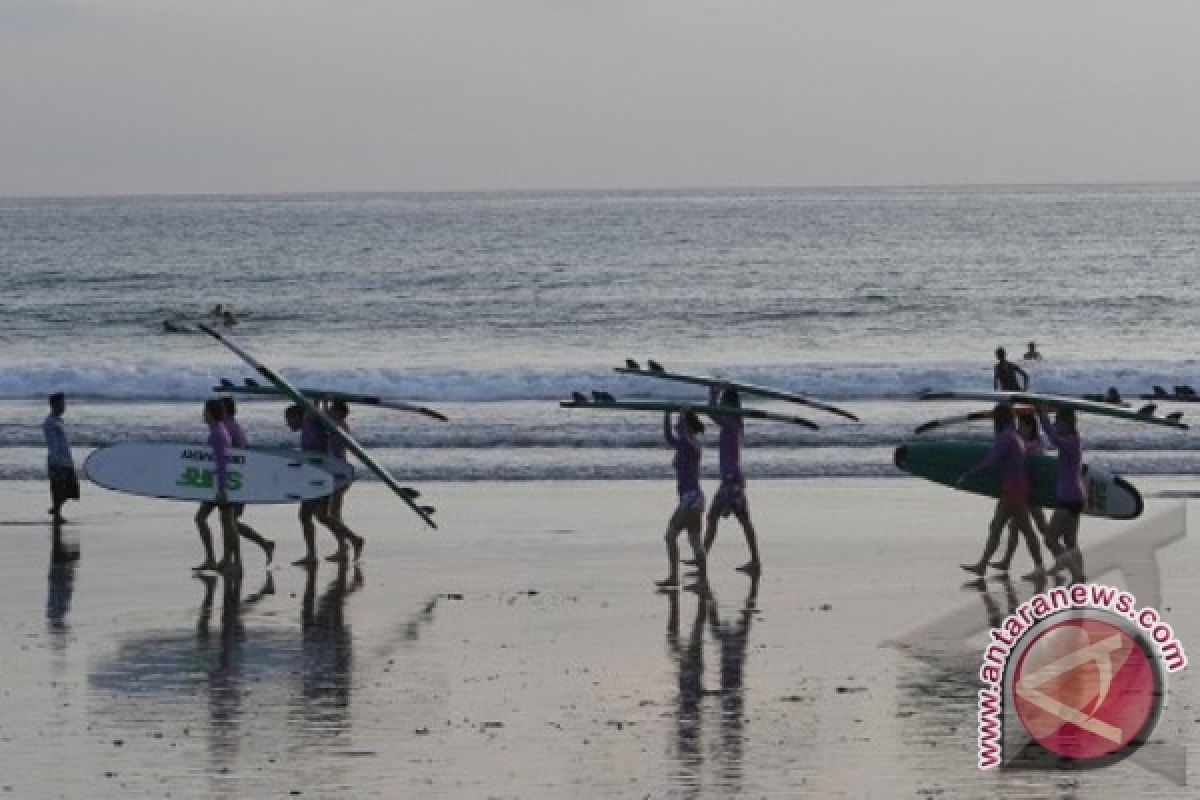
(57, 399)
(1002, 416)
(1000, 354)
(1066, 416)
(693, 422)
(214, 408)
(339, 408)
(730, 397)
(294, 411)
(230, 406)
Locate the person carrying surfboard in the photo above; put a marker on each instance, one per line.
(1007, 376)
(60, 465)
(1007, 458)
(1070, 491)
(731, 495)
(689, 513)
(314, 439)
(1031, 437)
(237, 436)
(338, 412)
(219, 441)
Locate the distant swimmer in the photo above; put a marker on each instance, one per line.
(1032, 353)
(1031, 437)
(171, 326)
(731, 496)
(1007, 376)
(60, 466)
(222, 315)
(689, 513)
(1070, 492)
(1007, 459)
(228, 319)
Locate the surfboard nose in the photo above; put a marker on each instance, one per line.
(900, 457)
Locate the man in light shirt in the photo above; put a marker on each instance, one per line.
(64, 484)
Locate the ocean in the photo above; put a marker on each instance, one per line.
(492, 307)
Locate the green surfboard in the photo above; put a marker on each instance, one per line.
(1109, 495)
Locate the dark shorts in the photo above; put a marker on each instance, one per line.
(64, 483)
(730, 498)
(314, 506)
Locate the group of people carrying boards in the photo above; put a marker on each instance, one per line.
(1018, 434)
(225, 432)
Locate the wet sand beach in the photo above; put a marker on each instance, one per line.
(522, 650)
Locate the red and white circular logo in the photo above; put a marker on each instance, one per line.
(1086, 689)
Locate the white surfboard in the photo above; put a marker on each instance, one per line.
(188, 472)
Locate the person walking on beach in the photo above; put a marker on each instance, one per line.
(1070, 491)
(1007, 457)
(338, 412)
(238, 438)
(314, 439)
(219, 441)
(60, 466)
(1007, 376)
(1031, 437)
(731, 495)
(689, 513)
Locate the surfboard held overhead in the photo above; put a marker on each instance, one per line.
(1144, 415)
(603, 401)
(655, 370)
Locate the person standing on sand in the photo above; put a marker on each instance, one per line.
(338, 412)
(1007, 457)
(731, 496)
(1070, 492)
(238, 438)
(689, 514)
(219, 441)
(60, 466)
(315, 440)
(1031, 437)
(1007, 376)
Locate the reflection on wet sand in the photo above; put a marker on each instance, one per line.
(732, 638)
(322, 704)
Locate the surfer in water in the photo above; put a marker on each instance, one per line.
(1032, 353)
(1070, 492)
(1031, 437)
(731, 496)
(1007, 376)
(237, 436)
(689, 514)
(60, 465)
(1007, 458)
(219, 441)
(313, 438)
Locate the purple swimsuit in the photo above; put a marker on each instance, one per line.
(1071, 488)
(687, 456)
(218, 440)
(733, 432)
(237, 435)
(1007, 458)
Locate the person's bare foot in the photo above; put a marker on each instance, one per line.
(340, 555)
(307, 561)
(751, 568)
(269, 551)
(358, 543)
(999, 566)
(668, 583)
(208, 566)
(974, 569)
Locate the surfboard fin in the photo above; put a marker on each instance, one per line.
(654, 366)
(226, 383)
(1147, 410)
(251, 382)
(1174, 416)
(603, 397)
(631, 364)
(430, 510)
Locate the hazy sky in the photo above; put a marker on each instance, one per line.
(123, 96)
